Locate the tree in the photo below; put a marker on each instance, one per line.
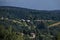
(58, 36)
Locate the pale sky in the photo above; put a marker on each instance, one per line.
(33, 4)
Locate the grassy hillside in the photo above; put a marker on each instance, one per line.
(23, 24)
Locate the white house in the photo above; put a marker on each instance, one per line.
(28, 20)
(23, 20)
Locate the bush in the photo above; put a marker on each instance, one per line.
(9, 34)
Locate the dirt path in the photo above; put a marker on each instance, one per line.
(55, 24)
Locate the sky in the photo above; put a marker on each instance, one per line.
(33, 4)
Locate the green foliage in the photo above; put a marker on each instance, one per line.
(24, 27)
(9, 34)
(15, 12)
(58, 36)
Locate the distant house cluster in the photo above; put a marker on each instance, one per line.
(2, 18)
(25, 20)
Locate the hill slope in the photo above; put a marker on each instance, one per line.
(31, 22)
(24, 13)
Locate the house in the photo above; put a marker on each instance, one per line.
(28, 20)
(23, 20)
